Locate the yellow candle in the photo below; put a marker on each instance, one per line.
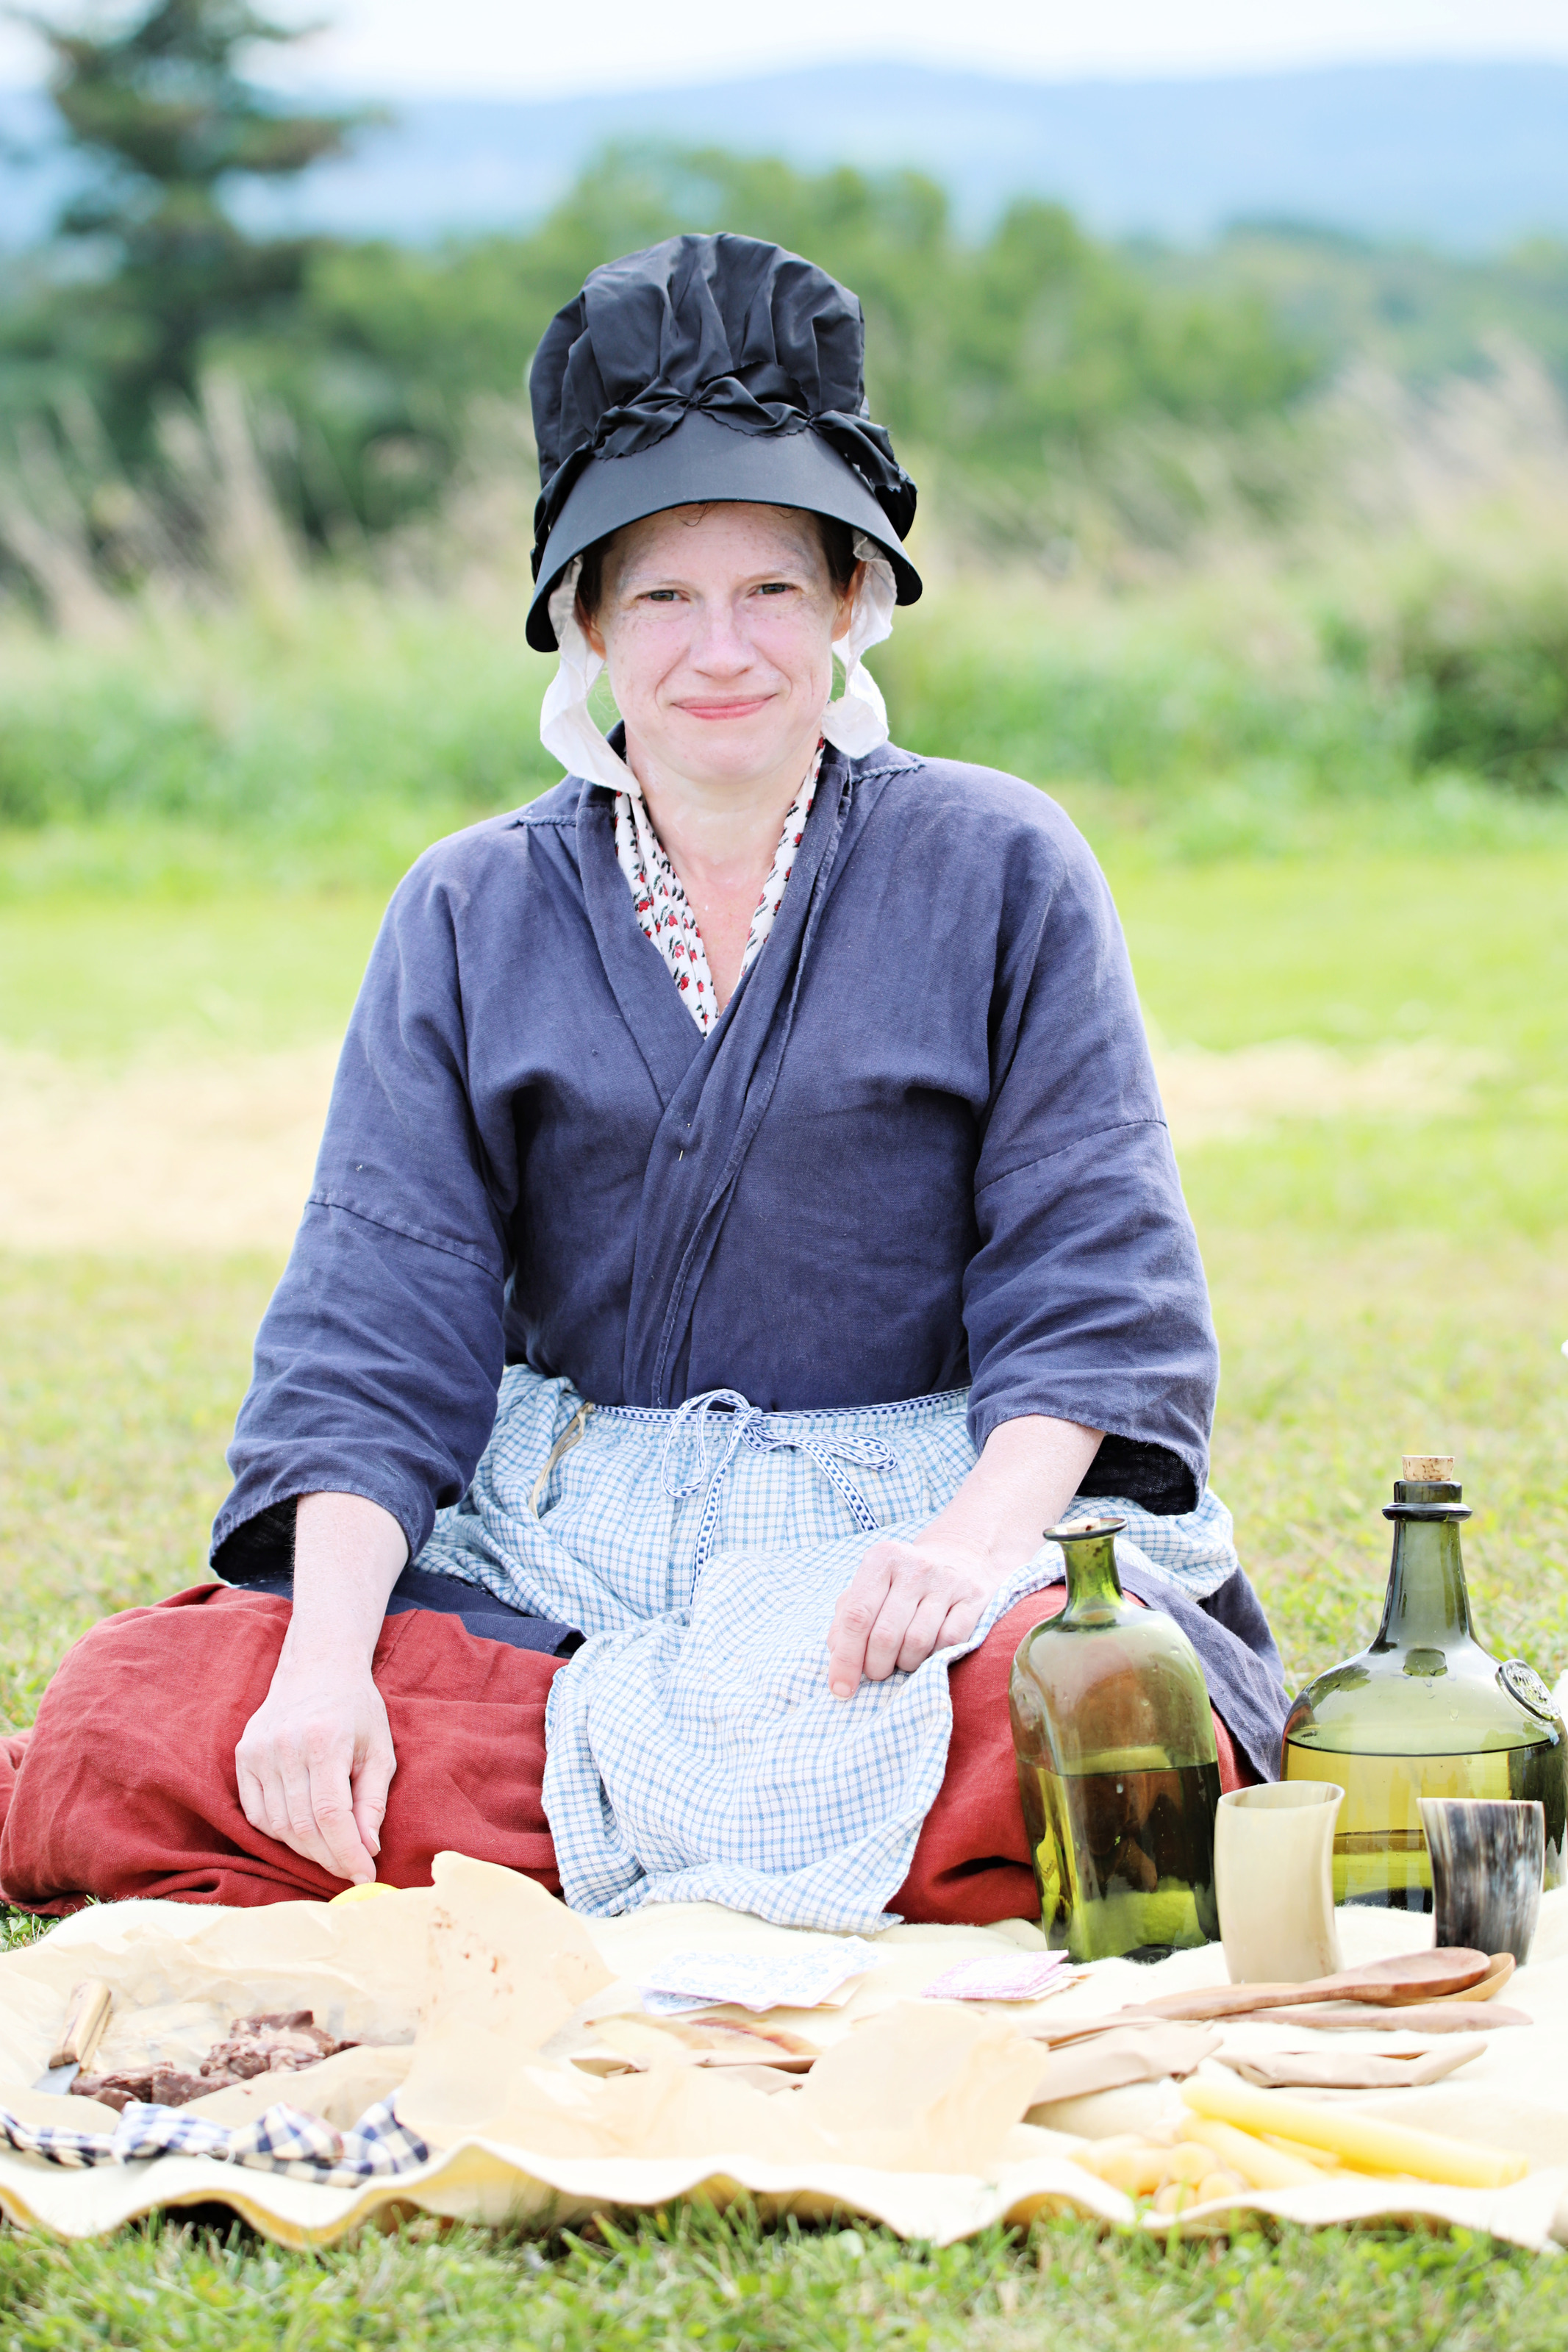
(1259, 2165)
(1358, 2139)
(1318, 2156)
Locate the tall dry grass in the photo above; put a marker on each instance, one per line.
(186, 686)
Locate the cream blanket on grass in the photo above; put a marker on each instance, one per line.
(910, 2118)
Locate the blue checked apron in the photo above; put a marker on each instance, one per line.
(693, 1751)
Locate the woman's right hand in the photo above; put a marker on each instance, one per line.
(315, 1763)
(315, 1759)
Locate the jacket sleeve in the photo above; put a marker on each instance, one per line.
(1086, 1298)
(378, 1358)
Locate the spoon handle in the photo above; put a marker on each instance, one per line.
(1382, 1991)
(1236, 2001)
(1416, 2017)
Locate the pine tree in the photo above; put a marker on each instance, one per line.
(166, 122)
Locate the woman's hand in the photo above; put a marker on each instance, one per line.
(315, 1759)
(907, 1599)
(315, 1763)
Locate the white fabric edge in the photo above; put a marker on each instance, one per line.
(493, 2183)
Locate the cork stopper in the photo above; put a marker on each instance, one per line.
(1430, 1469)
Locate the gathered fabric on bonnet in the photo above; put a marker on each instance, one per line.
(708, 369)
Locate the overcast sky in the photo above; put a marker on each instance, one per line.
(519, 47)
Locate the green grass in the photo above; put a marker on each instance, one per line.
(1378, 1285)
(729, 2285)
(1384, 1285)
(101, 980)
(1243, 712)
(118, 1396)
(324, 723)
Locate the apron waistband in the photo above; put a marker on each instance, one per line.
(746, 1424)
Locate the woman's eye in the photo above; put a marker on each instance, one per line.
(661, 595)
(776, 588)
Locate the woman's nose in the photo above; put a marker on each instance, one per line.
(719, 644)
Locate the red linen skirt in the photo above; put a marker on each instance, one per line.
(125, 1786)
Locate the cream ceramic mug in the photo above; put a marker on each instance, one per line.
(1273, 1880)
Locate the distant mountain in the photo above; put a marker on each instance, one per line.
(1464, 156)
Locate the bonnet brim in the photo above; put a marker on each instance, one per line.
(703, 462)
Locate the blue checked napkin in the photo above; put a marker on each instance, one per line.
(282, 2139)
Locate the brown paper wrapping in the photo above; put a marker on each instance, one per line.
(479, 1989)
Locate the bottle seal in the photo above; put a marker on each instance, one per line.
(1521, 1682)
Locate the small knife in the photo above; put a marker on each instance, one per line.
(85, 2020)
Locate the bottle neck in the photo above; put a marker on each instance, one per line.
(1428, 1606)
(1093, 1587)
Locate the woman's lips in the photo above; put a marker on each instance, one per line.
(746, 709)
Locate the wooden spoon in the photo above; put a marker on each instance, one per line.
(1414, 1976)
(1499, 1967)
(1447, 2016)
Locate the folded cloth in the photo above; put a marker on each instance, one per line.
(1338, 2070)
(282, 2139)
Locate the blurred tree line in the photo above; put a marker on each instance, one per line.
(172, 383)
(1008, 363)
(1006, 359)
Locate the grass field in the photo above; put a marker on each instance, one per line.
(1381, 1282)
(668, 2285)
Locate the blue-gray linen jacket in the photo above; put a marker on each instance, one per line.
(924, 1147)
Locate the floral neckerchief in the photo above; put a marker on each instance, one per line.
(663, 911)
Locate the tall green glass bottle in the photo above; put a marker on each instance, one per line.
(1424, 1712)
(1116, 1766)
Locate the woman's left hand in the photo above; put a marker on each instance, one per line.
(907, 1599)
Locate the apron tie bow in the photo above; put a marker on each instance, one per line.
(737, 1423)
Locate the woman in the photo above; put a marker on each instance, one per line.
(768, 1112)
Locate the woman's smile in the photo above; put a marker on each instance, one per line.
(731, 708)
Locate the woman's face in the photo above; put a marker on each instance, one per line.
(716, 623)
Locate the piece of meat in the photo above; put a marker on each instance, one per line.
(278, 2044)
(163, 2086)
(173, 2088)
(116, 2089)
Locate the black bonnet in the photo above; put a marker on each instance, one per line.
(706, 368)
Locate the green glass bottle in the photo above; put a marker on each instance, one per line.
(1424, 1712)
(1117, 1766)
